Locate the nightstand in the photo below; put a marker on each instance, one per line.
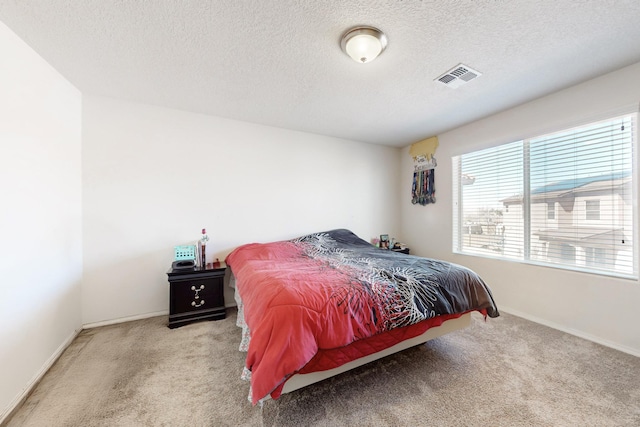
(402, 250)
(196, 294)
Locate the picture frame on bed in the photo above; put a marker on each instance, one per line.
(384, 241)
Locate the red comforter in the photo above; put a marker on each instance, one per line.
(319, 293)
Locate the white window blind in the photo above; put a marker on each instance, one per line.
(566, 199)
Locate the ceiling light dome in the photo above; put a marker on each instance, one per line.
(363, 44)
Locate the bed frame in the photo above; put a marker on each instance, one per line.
(299, 381)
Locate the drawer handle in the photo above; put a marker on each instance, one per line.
(200, 304)
(196, 296)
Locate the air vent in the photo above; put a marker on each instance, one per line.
(457, 76)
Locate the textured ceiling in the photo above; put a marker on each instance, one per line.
(279, 63)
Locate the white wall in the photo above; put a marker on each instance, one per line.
(154, 177)
(40, 218)
(597, 307)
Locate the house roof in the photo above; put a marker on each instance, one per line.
(576, 183)
(279, 62)
(575, 186)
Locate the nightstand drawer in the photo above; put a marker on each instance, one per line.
(191, 295)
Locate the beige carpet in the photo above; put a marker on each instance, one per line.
(503, 372)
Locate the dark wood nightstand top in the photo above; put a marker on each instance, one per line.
(196, 270)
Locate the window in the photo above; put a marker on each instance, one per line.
(592, 209)
(567, 199)
(551, 210)
(596, 256)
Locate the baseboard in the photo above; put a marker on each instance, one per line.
(125, 319)
(19, 400)
(136, 317)
(580, 334)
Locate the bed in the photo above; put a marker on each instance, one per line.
(318, 305)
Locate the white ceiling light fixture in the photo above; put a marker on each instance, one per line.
(363, 44)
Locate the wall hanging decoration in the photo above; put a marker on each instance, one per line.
(423, 191)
